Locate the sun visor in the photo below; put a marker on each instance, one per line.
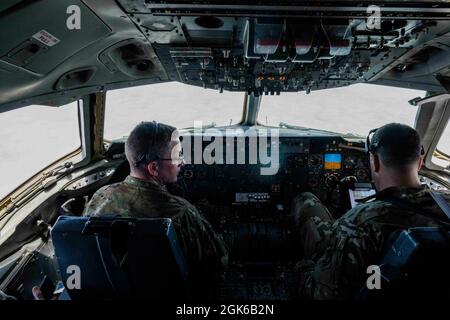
(268, 36)
(337, 37)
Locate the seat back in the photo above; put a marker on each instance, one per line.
(416, 264)
(115, 257)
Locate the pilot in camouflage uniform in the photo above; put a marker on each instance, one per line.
(205, 251)
(338, 252)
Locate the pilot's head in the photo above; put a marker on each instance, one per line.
(396, 156)
(154, 152)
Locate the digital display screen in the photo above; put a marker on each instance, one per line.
(333, 161)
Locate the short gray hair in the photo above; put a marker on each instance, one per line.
(147, 141)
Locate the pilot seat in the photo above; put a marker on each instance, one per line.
(115, 257)
(415, 264)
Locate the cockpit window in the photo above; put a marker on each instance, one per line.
(34, 137)
(444, 142)
(173, 103)
(442, 154)
(355, 109)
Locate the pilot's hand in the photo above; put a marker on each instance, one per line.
(38, 295)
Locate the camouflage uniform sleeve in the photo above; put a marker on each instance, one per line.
(205, 250)
(105, 201)
(340, 272)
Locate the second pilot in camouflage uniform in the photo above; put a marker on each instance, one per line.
(338, 252)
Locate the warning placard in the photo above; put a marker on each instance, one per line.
(46, 38)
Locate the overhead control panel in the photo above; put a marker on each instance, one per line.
(268, 48)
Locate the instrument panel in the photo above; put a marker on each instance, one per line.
(252, 211)
(315, 164)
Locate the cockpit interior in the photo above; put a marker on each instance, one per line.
(246, 183)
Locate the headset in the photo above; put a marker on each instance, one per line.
(372, 147)
(150, 155)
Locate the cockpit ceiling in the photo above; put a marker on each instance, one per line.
(224, 45)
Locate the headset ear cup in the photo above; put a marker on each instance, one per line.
(368, 146)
